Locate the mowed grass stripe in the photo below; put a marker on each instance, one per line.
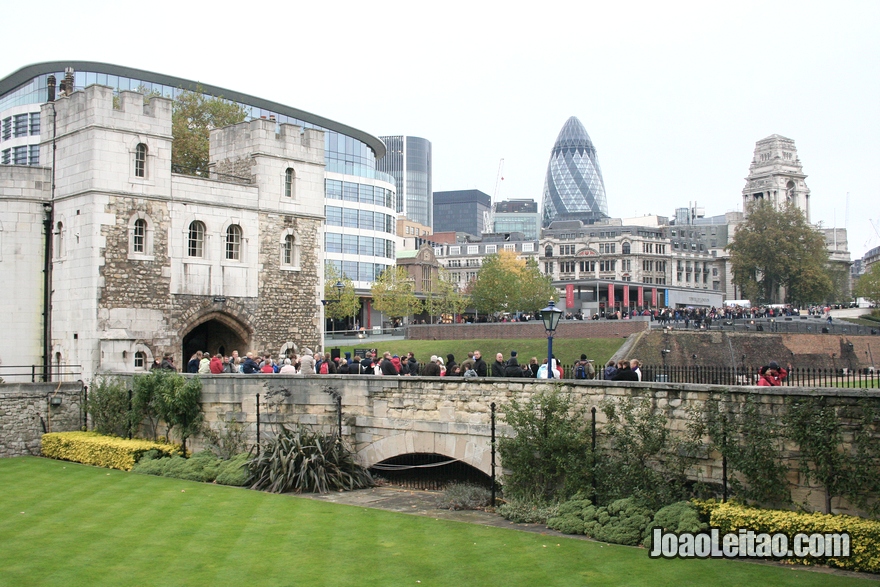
(127, 529)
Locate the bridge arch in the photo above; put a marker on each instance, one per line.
(472, 450)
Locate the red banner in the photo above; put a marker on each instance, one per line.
(569, 296)
(654, 296)
(641, 297)
(626, 297)
(610, 297)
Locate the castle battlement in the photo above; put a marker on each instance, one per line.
(259, 137)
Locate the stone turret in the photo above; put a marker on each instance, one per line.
(776, 175)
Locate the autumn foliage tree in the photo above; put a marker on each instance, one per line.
(342, 304)
(444, 297)
(193, 116)
(778, 248)
(868, 286)
(394, 293)
(506, 283)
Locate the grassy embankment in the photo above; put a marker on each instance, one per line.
(71, 525)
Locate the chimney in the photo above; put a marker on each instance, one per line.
(50, 82)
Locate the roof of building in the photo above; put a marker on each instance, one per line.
(28, 72)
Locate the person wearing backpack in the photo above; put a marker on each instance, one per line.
(584, 369)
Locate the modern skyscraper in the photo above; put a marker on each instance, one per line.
(517, 216)
(461, 211)
(408, 160)
(574, 189)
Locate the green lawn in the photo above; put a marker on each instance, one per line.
(66, 524)
(566, 350)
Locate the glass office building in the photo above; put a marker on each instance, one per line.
(408, 160)
(360, 226)
(461, 211)
(574, 188)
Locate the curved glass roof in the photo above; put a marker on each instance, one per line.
(574, 188)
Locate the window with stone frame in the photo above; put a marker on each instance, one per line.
(140, 160)
(233, 243)
(59, 240)
(289, 182)
(196, 240)
(139, 237)
(290, 252)
(140, 360)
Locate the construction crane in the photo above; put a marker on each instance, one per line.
(489, 217)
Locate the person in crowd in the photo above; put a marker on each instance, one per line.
(498, 366)
(610, 370)
(624, 372)
(193, 365)
(157, 364)
(442, 366)
(768, 377)
(451, 365)
(356, 367)
(512, 369)
(287, 368)
(266, 366)
(250, 366)
(534, 366)
(331, 365)
(216, 364)
(542, 370)
(342, 366)
(307, 362)
(234, 363)
(168, 362)
(367, 363)
(431, 368)
(412, 365)
(395, 360)
(480, 365)
(205, 364)
(386, 367)
(635, 365)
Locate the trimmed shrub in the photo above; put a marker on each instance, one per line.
(465, 496)
(864, 534)
(91, 448)
(525, 512)
(108, 407)
(234, 471)
(682, 516)
(623, 521)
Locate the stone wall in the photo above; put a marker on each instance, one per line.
(26, 413)
(531, 329)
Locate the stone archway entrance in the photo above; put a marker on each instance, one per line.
(216, 333)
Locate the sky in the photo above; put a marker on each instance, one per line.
(674, 95)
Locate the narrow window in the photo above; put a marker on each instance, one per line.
(288, 182)
(196, 241)
(59, 240)
(140, 160)
(139, 360)
(139, 236)
(233, 243)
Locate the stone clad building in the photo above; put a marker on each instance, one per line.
(145, 261)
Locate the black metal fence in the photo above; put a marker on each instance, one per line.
(865, 378)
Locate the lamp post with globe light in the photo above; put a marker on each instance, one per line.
(550, 315)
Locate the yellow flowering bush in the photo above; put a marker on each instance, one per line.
(91, 448)
(864, 534)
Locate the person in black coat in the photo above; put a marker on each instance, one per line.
(624, 373)
(498, 366)
(480, 365)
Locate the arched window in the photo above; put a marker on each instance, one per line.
(139, 236)
(626, 248)
(233, 243)
(140, 360)
(140, 160)
(289, 177)
(196, 240)
(290, 252)
(548, 251)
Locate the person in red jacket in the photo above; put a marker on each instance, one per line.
(217, 364)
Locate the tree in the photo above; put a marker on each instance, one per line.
(394, 293)
(444, 297)
(172, 398)
(776, 249)
(868, 286)
(343, 304)
(192, 118)
(506, 283)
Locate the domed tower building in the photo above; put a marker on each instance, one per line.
(574, 188)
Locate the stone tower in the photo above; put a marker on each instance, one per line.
(776, 175)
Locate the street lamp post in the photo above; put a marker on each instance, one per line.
(550, 315)
(339, 286)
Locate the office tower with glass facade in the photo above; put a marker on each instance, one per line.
(574, 188)
(517, 216)
(408, 160)
(461, 211)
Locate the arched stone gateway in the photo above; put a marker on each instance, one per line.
(472, 450)
(216, 332)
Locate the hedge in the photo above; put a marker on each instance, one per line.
(91, 448)
(864, 534)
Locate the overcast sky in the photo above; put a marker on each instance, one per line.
(673, 94)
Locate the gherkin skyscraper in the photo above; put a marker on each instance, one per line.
(574, 189)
